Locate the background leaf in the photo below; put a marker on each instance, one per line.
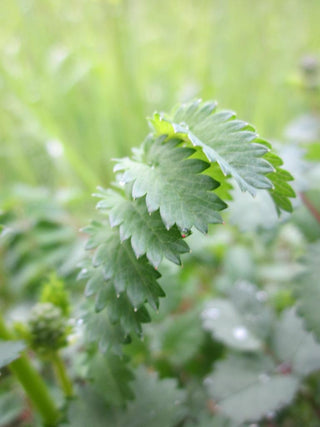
(9, 351)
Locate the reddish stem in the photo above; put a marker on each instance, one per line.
(312, 209)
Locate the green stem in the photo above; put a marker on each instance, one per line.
(62, 374)
(32, 383)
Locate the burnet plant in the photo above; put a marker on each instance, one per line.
(179, 180)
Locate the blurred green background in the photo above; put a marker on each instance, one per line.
(78, 78)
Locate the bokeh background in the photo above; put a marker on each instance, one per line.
(78, 78)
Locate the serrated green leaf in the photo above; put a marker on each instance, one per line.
(98, 233)
(223, 139)
(308, 290)
(89, 409)
(247, 388)
(242, 322)
(127, 273)
(100, 330)
(174, 184)
(147, 232)
(119, 309)
(177, 338)
(233, 144)
(294, 346)
(157, 403)
(281, 191)
(111, 377)
(10, 351)
(226, 324)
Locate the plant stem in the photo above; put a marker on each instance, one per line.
(62, 374)
(312, 209)
(32, 383)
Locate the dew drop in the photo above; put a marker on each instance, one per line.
(135, 309)
(240, 333)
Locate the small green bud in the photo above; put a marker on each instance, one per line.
(48, 328)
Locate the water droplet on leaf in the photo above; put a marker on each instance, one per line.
(240, 333)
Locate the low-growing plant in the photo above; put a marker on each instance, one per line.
(225, 335)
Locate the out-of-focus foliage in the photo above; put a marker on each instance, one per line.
(39, 235)
(236, 340)
(77, 78)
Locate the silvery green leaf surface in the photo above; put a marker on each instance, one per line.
(295, 346)
(247, 388)
(242, 322)
(10, 351)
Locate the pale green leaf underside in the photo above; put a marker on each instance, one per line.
(174, 184)
(233, 144)
(246, 388)
(224, 140)
(10, 351)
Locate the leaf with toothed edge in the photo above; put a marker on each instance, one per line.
(233, 144)
(127, 273)
(176, 181)
(147, 232)
(248, 387)
(174, 184)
